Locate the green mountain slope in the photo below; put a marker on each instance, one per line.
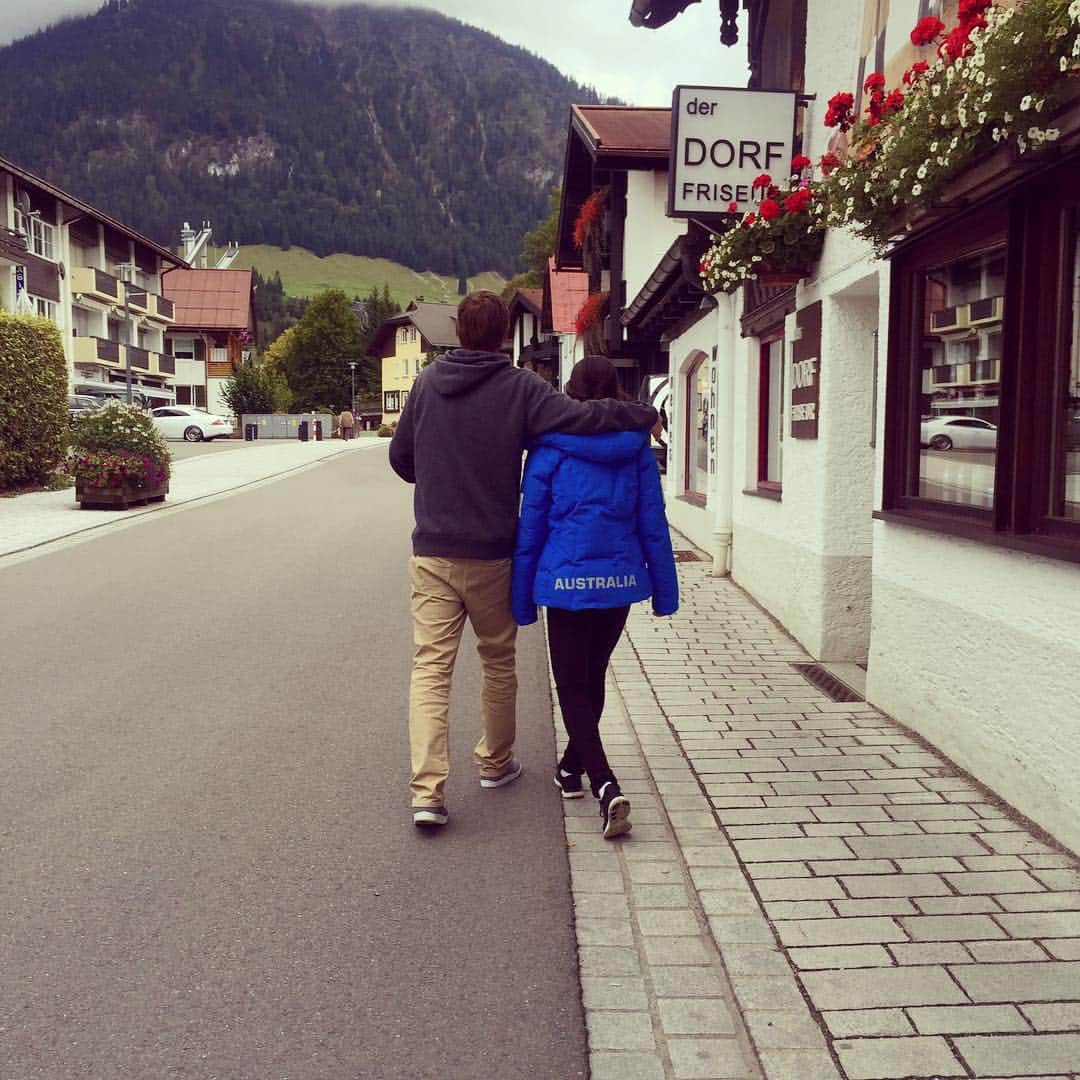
(380, 131)
(306, 274)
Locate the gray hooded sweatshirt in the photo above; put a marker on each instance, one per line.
(460, 438)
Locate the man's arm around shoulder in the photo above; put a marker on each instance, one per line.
(550, 410)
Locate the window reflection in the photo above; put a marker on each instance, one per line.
(1067, 495)
(697, 479)
(963, 304)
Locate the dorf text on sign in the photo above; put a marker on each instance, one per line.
(806, 374)
(721, 139)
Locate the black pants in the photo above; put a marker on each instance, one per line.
(581, 643)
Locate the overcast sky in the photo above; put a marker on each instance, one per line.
(590, 40)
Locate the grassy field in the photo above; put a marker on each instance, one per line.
(305, 274)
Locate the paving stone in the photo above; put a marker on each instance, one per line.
(659, 896)
(707, 1059)
(608, 1066)
(603, 905)
(586, 881)
(606, 992)
(1046, 924)
(800, 889)
(878, 1059)
(839, 931)
(890, 847)
(799, 1065)
(956, 905)
(929, 865)
(1005, 952)
(1044, 901)
(1059, 879)
(792, 1029)
(754, 959)
(883, 988)
(1050, 981)
(603, 931)
(1063, 948)
(667, 922)
(729, 902)
(677, 950)
(850, 867)
(880, 905)
(799, 909)
(1020, 1055)
(741, 930)
(676, 980)
(1060, 1016)
(796, 850)
(655, 872)
(768, 870)
(950, 927)
(967, 1019)
(620, 1030)
(709, 855)
(867, 1022)
(766, 992)
(933, 952)
(608, 960)
(840, 956)
(695, 1016)
(991, 882)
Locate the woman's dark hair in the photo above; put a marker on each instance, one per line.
(593, 378)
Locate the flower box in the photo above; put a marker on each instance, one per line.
(781, 277)
(119, 496)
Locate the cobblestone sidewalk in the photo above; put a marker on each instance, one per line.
(871, 912)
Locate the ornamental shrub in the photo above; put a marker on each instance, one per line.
(118, 442)
(33, 401)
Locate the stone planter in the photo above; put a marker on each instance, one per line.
(119, 496)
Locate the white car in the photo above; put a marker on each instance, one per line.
(961, 432)
(191, 424)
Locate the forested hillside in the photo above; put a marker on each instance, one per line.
(378, 131)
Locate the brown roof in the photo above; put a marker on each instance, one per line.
(625, 130)
(210, 299)
(569, 290)
(531, 300)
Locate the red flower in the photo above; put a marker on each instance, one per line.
(762, 181)
(874, 81)
(733, 208)
(839, 112)
(797, 202)
(590, 312)
(971, 9)
(588, 216)
(828, 162)
(913, 72)
(800, 162)
(748, 220)
(957, 43)
(893, 100)
(927, 30)
(769, 209)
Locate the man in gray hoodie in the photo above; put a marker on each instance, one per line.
(460, 439)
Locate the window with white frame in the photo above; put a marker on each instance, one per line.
(44, 309)
(40, 235)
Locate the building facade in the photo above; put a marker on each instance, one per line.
(97, 279)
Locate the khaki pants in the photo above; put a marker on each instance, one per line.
(444, 592)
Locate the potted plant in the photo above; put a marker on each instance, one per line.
(778, 243)
(990, 80)
(118, 458)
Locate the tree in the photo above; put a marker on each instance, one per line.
(320, 347)
(256, 388)
(539, 245)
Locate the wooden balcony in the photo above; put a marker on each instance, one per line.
(95, 284)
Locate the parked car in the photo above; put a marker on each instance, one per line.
(191, 424)
(78, 404)
(961, 432)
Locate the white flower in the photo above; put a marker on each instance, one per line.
(1025, 104)
(1050, 134)
(1018, 38)
(933, 147)
(1063, 63)
(935, 90)
(982, 118)
(916, 189)
(1021, 144)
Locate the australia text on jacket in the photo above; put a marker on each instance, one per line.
(626, 581)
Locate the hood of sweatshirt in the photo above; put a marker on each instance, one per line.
(611, 446)
(462, 370)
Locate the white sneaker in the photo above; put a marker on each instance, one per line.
(507, 776)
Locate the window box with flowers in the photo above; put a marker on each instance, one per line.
(119, 458)
(589, 321)
(778, 244)
(590, 230)
(992, 80)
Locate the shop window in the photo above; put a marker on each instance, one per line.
(697, 431)
(770, 443)
(983, 408)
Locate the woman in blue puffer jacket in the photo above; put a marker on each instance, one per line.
(592, 540)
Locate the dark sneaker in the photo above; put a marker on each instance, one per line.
(424, 816)
(569, 784)
(614, 810)
(509, 774)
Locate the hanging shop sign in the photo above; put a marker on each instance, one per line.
(806, 373)
(721, 140)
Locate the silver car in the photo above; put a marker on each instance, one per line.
(190, 424)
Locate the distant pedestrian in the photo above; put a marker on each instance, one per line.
(460, 440)
(347, 423)
(592, 540)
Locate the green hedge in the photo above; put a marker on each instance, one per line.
(33, 401)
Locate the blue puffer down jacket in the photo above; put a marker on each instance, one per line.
(592, 533)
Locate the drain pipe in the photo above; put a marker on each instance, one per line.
(723, 371)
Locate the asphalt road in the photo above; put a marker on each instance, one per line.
(207, 864)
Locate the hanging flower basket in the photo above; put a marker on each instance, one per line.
(993, 78)
(590, 233)
(778, 244)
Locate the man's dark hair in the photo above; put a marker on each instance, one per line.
(482, 320)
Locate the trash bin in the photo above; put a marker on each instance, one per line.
(318, 431)
(251, 431)
(302, 431)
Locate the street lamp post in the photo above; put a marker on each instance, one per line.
(352, 372)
